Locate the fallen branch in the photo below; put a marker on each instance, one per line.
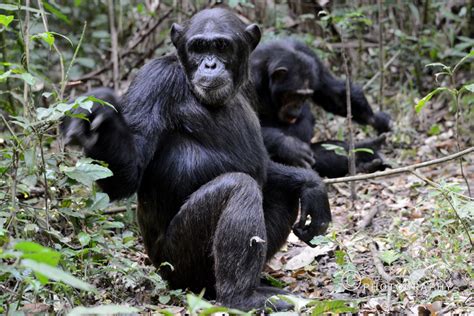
(367, 220)
(402, 169)
(378, 263)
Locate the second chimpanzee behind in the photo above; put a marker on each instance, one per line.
(285, 74)
(187, 140)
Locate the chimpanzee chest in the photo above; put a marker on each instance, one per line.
(204, 147)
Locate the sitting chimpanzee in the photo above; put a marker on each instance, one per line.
(210, 201)
(285, 74)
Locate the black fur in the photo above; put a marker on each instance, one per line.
(210, 202)
(304, 70)
(291, 144)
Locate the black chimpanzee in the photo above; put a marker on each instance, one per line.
(290, 144)
(285, 74)
(186, 138)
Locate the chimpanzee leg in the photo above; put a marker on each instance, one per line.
(219, 235)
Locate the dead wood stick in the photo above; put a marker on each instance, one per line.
(378, 263)
(401, 169)
(367, 220)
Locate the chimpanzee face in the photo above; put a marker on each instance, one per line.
(214, 48)
(290, 90)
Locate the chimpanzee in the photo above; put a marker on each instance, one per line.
(290, 144)
(186, 138)
(285, 74)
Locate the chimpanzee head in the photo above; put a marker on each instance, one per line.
(288, 76)
(213, 48)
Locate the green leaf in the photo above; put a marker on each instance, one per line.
(48, 37)
(56, 274)
(340, 257)
(469, 87)
(11, 7)
(101, 201)
(5, 20)
(28, 78)
(364, 150)
(84, 238)
(428, 97)
(86, 172)
(5, 75)
(56, 12)
(335, 307)
(389, 256)
(339, 150)
(36, 252)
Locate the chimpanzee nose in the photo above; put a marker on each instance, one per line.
(210, 64)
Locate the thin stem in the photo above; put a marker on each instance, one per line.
(26, 38)
(458, 143)
(381, 56)
(56, 49)
(349, 123)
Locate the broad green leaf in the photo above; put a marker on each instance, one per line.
(56, 274)
(86, 172)
(5, 20)
(469, 87)
(83, 238)
(100, 202)
(28, 78)
(389, 256)
(428, 97)
(36, 252)
(5, 75)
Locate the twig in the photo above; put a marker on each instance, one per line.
(26, 38)
(391, 60)
(381, 55)
(56, 49)
(114, 53)
(400, 170)
(118, 209)
(351, 160)
(446, 197)
(367, 220)
(378, 263)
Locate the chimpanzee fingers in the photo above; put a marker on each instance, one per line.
(99, 120)
(74, 131)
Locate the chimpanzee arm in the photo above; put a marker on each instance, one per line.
(127, 140)
(287, 149)
(330, 94)
(311, 190)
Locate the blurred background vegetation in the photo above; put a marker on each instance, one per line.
(64, 246)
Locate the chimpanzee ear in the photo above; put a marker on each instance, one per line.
(176, 32)
(279, 73)
(253, 34)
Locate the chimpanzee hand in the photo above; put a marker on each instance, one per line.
(381, 122)
(296, 152)
(314, 203)
(102, 119)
